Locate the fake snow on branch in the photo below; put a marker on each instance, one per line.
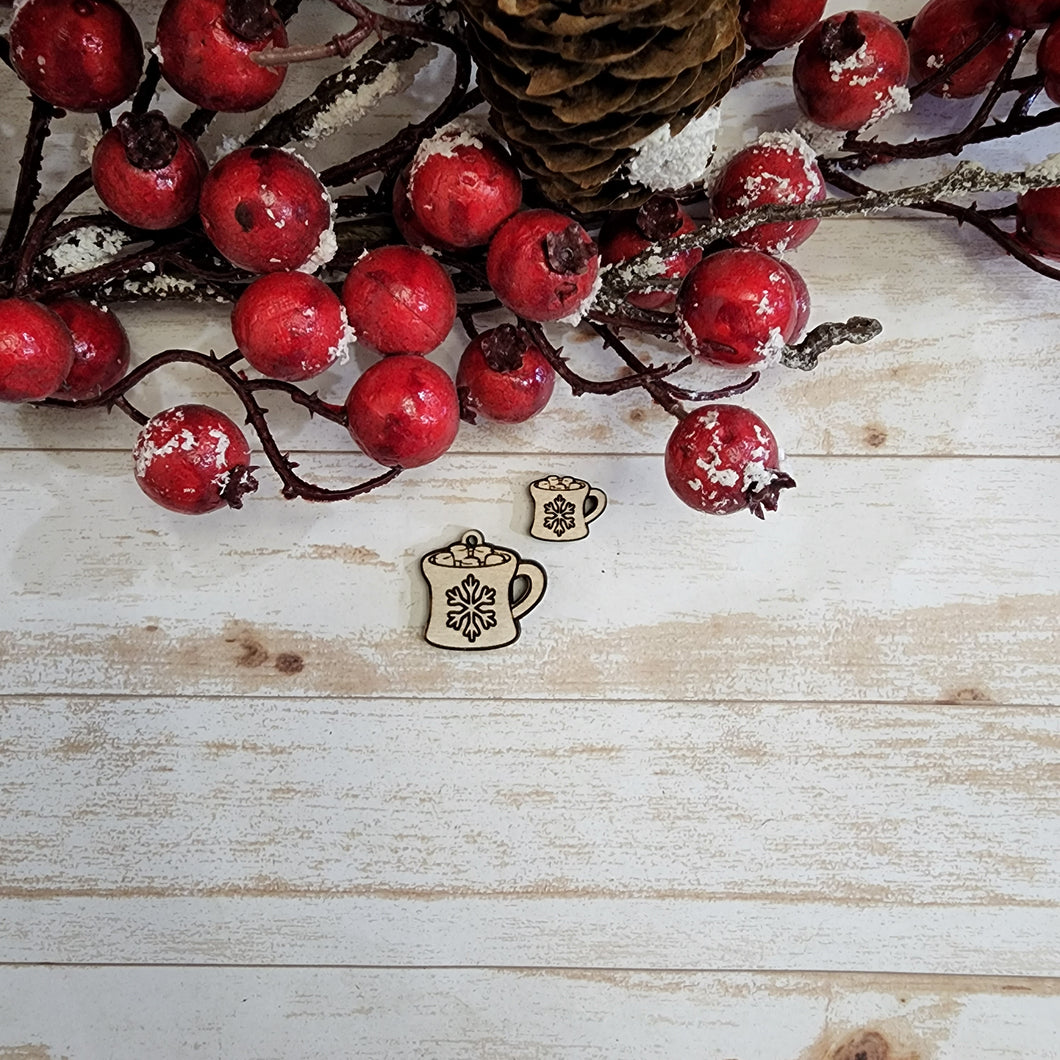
(966, 179)
(339, 101)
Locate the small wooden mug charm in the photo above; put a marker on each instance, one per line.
(473, 586)
(563, 508)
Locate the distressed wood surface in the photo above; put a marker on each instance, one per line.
(740, 790)
(883, 579)
(336, 815)
(522, 1014)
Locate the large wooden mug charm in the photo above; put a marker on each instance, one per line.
(472, 583)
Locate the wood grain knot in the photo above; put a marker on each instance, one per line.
(864, 1045)
(253, 652)
(966, 695)
(875, 436)
(287, 662)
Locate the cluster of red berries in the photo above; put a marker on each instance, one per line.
(266, 211)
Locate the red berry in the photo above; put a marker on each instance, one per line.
(629, 233)
(403, 411)
(461, 187)
(36, 350)
(776, 168)
(206, 55)
(722, 459)
(265, 210)
(503, 376)
(101, 348)
(942, 30)
(193, 459)
(1029, 14)
(399, 300)
(406, 221)
(1038, 213)
(290, 326)
(802, 302)
(1049, 61)
(148, 172)
(777, 24)
(851, 70)
(543, 265)
(737, 307)
(81, 55)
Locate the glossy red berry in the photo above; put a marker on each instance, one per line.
(1029, 14)
(543, 265)
(776, 168)
(942, 30)
(462, 186)
(1049, 61)
(82, 55)
(206, 47)
(406, 221)
(802, 302)
(722, 459)
(36, 350)
(290, 326)
(851, 70)
(629, 233)
(193, 459)
(503, 376)
(101, 348)
(399, 300)
(777, 24)
(148, 172)
(265, 210)
(403, 411)
(737, 307)
(1038, 215)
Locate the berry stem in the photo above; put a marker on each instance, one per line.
(966, 178)
(293, 485)
(28, 187)
(579, 384)
(804, 355)
(943, 73)
(873, 151)
(76, 186)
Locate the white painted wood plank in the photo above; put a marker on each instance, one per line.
(881, 579)
(621, 931)
(858, 803)
(974, 375)
(633, 834)
(520, 1014)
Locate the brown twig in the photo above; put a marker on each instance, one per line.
(293, 485)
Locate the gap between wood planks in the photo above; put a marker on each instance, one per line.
(1010, 983)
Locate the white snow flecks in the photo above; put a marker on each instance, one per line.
(664, 162)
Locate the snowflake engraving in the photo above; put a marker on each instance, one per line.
(559, 516)
(471, 608)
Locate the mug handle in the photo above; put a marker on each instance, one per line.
(537, 578)
(601, 503)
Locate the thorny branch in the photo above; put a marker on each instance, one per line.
(245, 389)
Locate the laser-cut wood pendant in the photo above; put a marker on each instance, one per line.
(563, 507)
(479, 591)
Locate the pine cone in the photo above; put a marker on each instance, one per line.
(575, 85)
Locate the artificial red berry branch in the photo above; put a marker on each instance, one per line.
(617, 274)
(245, 389)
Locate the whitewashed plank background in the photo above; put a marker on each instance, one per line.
(781, 790)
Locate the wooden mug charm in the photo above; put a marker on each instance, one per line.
(476, 596)
(564, 507)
